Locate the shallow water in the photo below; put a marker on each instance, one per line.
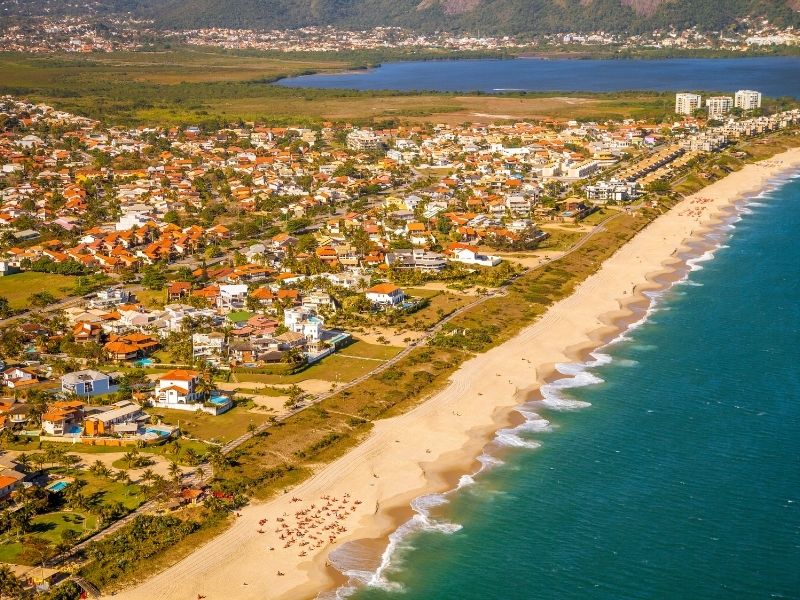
(674, 472)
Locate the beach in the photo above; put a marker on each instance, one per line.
(366, 494)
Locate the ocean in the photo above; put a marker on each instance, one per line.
(667, 466)
(774, 76)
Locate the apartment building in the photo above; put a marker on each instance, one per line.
(747, 100)
(719, 106)
(686, 104)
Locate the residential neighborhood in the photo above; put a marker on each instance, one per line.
(169, 293)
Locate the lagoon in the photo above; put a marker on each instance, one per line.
(773, 76)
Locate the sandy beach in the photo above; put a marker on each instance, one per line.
(279, 549)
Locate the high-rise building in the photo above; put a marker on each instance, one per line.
(686, 104)
(719, 106)
(747, 100)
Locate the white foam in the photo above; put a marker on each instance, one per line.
(510, 439)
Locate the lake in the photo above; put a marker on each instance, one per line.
(773, 76)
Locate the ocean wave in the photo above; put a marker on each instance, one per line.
(510, 438)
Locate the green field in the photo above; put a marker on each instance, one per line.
(18, 288)
(334, 368)
(362, 349)
(221, 428)
(191, 85)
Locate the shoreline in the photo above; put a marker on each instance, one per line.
(427, 450)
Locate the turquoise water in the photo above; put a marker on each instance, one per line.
(674, 474)
(774, 76)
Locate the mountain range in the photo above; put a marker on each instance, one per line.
(475, 16)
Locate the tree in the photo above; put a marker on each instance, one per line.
(10, 586)
(41, 299)
(5, 308)
(175, 472)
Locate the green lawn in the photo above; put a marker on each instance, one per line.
(18, 288)
(222, 428)
(440, 305)
(49, 527)
(152, 298)
(364, 350)
(331, 368)
(422, 293)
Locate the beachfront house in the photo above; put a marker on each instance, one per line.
(385, 294)
(121, 418)
(181, 389)
(469, 255)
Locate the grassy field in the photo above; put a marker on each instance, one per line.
(220, 428)
(202, 85)
(362, 349)
(336, 368)
(18, 288)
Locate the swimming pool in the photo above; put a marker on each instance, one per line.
(58, 486)
(144, 362)
(219, 400)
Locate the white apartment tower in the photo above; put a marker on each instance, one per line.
(686, 104)
(747, 100)
(719, 106)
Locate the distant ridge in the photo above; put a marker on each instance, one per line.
(474, 16)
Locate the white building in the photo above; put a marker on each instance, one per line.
(385, 294)
(232, 297)
(686, 104)
(208, 346)
(362, 139)
(719, 106)
(303, 321)
(583, 169)
(613, 189)
(747, 100)
(180, 390)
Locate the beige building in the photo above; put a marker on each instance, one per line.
(719, 106)
(747, 99)
(686, 104)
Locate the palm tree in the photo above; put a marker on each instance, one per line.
(148, 475)
(175, 472)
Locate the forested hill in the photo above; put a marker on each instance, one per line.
(474, 16)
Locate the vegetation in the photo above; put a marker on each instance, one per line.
(497, 17)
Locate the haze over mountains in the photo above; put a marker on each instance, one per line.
(475, 16)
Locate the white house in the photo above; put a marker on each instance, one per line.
(469, 255)
(179, 390)
(232, 297)
(304, 321)
(385, 294)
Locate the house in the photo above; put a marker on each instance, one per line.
(232, 297)
(208, 346)
(63, 418)
(130, 346)
(89, 383)
(415, 259)
(177, 290)
(8, 484)
(124, 417)
(469, 255)
(385, 294)
(304, 321)
(84, 333)
(17, 377)
(180, 389)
